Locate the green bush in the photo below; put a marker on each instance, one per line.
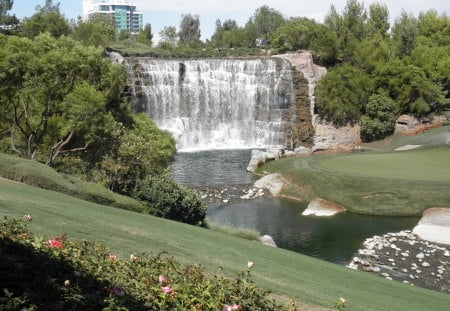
(60, 274)
(167, 199)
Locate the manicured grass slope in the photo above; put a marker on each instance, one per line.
(284, 272)
(378, 182)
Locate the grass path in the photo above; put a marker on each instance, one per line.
(284, 272)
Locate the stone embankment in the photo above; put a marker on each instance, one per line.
(404, 257)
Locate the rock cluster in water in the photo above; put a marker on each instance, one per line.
(403, 257)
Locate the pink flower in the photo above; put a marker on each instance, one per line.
(54, 243)
(162, 279)
(133, 258)
(167, 290)
(249, 264)
(232, 307)
(116, 291)
(112, 257)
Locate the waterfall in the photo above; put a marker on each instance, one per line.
(215, 103)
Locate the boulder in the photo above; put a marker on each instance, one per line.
(267, 240)
(273, 182)
(434, 226)
(320, 207)
(259, 158)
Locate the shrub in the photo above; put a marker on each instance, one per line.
(60, 274)
(167, 199)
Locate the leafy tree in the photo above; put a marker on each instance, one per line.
(342, 94)
(169, 37)
(224, 33)
(410, 87)
(379, 19)
(373, 52)
(145, 36)
(404, 33)
(434, 29)
(139, 151)
(189, 33)
(380, 115)
(53, 94)
(98, 31)
(297, 33)
(168, 199)
(47, 19)
(264, 23)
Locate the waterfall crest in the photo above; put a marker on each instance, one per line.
(215, 103)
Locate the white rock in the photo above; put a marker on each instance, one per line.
(376, 269)
(385, 274)
(405, 254)
(425, 264)
(420, 256)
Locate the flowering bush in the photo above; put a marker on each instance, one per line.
(40, 274)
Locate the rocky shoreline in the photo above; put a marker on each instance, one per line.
(404, 257)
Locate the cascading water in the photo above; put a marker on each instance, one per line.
(215, 103)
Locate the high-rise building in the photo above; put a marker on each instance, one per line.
(125, 15)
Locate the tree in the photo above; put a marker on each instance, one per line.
(189, 33)
(373, 52)
(410, 87)
(54, 94)
(140, 151)
(350, 27)
(297, 33)
(342, 94)
(224, 33)
(404, 33)
(47, 19)
(379, 19)
(265, 22)
(145, 36)
(169, 37)
(380, 115)
(98, 31)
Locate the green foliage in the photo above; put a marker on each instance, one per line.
(189, 33)
(265, 22)
(295, 34)
(165, 198)
(409, 86)
(50, 21)
(140, 151)
(379, 119)
(404, 33)
(378, 19)
(57, 273)
(342, 94)
(98, 31)
(169, 37)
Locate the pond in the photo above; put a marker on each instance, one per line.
(334, 239)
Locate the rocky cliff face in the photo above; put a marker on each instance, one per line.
(305, 75)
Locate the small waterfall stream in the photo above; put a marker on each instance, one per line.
(215, 103)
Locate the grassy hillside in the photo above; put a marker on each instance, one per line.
(379, 182)
(287, 273)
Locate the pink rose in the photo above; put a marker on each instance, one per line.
(167, 290)
(249, 264)
(162, 279)
(232, 307)
(54, 243)
(112, 257)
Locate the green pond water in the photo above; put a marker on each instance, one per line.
(334, 239)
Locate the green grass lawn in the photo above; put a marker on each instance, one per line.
(284, 272)
(415, 165)
(384, 182)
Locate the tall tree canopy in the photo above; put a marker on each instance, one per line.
(189, 33)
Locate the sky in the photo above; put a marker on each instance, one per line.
(161, 13)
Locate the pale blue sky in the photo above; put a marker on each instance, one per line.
(160, 13)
